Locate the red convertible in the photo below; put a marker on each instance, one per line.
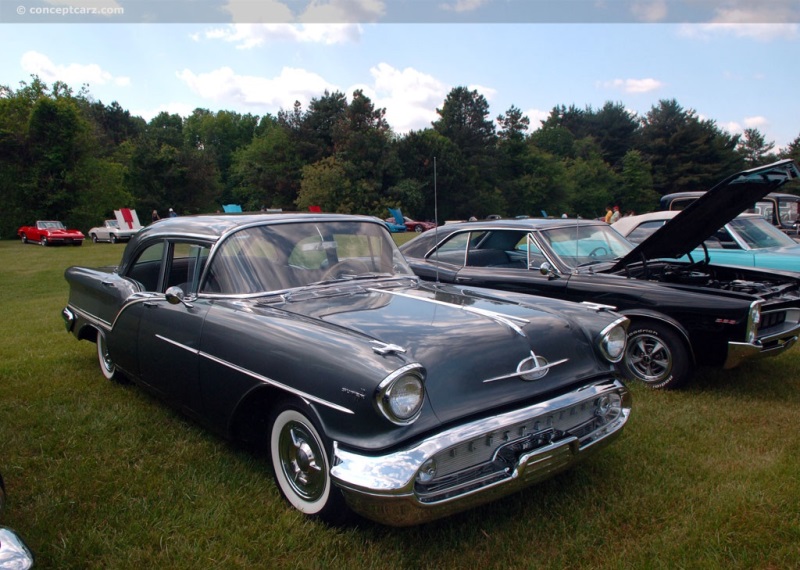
(49, 233)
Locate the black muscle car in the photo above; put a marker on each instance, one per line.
(406, 401)
(683, 314)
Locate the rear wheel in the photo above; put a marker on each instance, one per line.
(113, 238)
(107, 366)
(300, 458)
(24, 238)
(657, 356)
(418, 228)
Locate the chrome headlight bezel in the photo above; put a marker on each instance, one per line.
(753, 319)
(406, 383)
(613, 340)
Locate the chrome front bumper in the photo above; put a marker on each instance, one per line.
(772, 343)
(484, 460)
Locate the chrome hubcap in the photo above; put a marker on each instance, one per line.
(649, 358)
(301, 459)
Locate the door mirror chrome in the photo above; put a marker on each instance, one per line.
(548, 270)
(176, 296)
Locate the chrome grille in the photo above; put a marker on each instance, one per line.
(493, 456)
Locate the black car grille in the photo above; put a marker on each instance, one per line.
(772, 319)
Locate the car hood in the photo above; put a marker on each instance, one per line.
(464, 340)
(695, 224)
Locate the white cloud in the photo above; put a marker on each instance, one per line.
(487, 92)
(650, 10)
(228, 89)
(85, 3)
(248, 36)
(462, 5)
(536, 117)
(410, 97)
(760, 32)
(757, 122)
(74, 74)
(634, 86)
(314, 12)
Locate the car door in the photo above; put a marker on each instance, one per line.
(166, 336)
(510, 260)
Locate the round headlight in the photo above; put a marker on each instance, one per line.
(400, 396)
(404, 397)
(613, 340)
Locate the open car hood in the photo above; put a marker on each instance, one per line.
(695, 224)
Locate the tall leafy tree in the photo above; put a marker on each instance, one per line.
(267, 172)
(686, 153)
(754, 148)
(464, 120)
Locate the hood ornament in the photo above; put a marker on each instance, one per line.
(383, 348)
(529, 369)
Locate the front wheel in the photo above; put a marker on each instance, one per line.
(94, 238)
(657, 356)
(301, 465)
(43, 241)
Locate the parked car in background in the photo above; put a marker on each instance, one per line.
(111, 232)
(747, 240)
(14, 553)
(414, 225)
(683, 314)
(122, 228)
(410, 225)
(779, 209)
(50, 232)
(310, 334)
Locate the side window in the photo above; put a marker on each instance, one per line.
(147, 268)
(186, 266)
(528, 253)
(644, 230)
(454, 250)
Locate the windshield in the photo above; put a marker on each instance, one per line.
(584, 244)
(278, 257)
(758, 233)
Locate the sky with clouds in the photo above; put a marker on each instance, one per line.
(731, 61)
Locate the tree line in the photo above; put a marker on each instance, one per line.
(65, 156)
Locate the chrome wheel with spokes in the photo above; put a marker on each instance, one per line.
(656, 356)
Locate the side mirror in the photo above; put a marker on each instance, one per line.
(175, 296)
(548, 270)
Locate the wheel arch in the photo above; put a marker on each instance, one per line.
(251, 418)
(637, 316)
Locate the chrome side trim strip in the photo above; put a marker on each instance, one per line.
(257, 376)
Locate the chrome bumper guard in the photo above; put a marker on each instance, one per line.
(774, 341)
(481, 461)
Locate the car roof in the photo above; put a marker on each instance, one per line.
(211, 228)
(523, 224)
(628, 223)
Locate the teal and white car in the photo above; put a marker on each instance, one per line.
(747, 240)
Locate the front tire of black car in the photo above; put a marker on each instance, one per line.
(300, 458)
(657, 356)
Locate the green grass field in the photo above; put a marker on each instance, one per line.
(102, 475)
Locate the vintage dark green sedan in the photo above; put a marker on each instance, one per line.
(402, 400)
